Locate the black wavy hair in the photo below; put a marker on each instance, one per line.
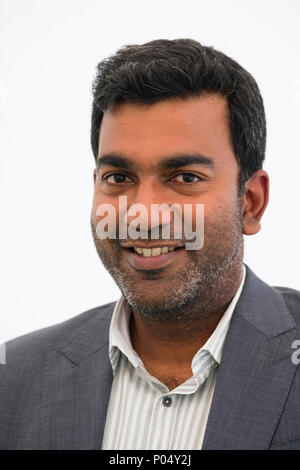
(164, 69)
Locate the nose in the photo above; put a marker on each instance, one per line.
(149, 206)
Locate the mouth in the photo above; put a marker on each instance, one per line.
(155, 257)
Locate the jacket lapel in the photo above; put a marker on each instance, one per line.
(255, 373)
(77, 380)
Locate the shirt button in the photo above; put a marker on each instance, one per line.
(167, 401)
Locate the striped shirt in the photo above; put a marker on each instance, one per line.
(142, 412)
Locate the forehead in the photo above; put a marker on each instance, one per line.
(147, 132)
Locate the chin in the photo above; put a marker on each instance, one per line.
(153, 305)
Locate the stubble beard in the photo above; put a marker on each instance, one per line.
(207, 282)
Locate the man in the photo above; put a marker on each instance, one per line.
(198, 351)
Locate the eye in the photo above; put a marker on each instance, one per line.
(116, 178)
(187, 178)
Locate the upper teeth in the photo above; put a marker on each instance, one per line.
(153, 251)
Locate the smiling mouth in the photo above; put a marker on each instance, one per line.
(153, 251)
(151, 258)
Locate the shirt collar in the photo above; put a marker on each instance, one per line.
(119, 336)
(120, 342)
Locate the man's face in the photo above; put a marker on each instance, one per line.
(150, 139)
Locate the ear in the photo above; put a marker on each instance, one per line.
(255, 201)
(95, 176)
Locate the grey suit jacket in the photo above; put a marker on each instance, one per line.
(55, 385)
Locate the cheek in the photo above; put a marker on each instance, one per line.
(100, 198)
(94, 205)
(220, 216)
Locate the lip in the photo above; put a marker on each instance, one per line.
(139, 262)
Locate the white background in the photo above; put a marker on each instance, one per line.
(50, 270)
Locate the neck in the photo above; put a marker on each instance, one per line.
(172, 344)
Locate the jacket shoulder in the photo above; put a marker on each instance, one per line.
(29, 347)
(23, 373)
(292, 299)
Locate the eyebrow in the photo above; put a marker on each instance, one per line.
(168, 162)
(178, 161)
(115, 160)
